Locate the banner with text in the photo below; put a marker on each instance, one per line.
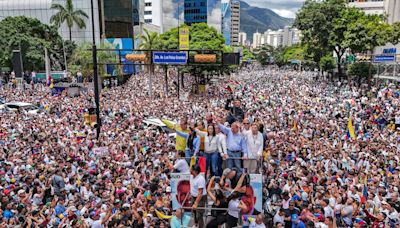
(184, 38)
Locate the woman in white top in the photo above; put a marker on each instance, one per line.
(234, 207)
(210, 149)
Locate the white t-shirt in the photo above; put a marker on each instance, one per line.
(197, 183)
(255, 225)
(278, 219)
(182, 166)
(233, 209)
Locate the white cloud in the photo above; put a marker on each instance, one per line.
(285, 13)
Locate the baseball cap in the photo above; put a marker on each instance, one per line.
(295, 217)
(168, 189)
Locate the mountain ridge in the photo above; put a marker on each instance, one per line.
(253, 19)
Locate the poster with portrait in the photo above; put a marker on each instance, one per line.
(180, 190)
(253, 196)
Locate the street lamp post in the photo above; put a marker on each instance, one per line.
(95, 76)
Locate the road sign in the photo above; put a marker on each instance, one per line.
(384, 58)
(169, 57)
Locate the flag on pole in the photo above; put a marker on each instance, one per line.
(160, 215)
(365, 191)
(350, 129)
(294, 125)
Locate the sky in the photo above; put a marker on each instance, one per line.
(285, 8)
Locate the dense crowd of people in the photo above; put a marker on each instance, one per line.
(328, 152)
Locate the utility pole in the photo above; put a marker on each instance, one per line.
(95, 76)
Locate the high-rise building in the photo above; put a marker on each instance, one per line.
(242, 38)
(257, 39)
(282, 37)
(176, 12)
(195, 11)
(40, 9)
(392, 9)
(230, 21)
(152, 12)
(369, 6)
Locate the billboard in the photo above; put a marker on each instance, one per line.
(121, 43)
(184, 38)
(226, 21)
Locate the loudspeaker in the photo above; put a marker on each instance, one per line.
(17, 63)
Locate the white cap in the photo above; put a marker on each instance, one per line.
(168, 189)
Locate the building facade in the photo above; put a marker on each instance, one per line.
(283, 37)
(231, 21)
(40, 9)
(195, 11)
(243, 38)
(392, 9)
(369, 6)
(152, 12)
(257, 40)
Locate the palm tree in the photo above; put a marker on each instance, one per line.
(149, 41)
(68, 14)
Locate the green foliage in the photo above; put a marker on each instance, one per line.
(295, 52)
(69, 15)
(149, 40)
(264, 54)
(331, 26)
(327, 63)
(366, 32)
(361, 69)
(32, 36)
(82, 59)
(247, 54)
(201, 37)
(395, 37)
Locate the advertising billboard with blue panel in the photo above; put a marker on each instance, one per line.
(121, 43)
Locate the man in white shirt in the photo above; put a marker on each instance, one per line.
(279, 217)
(255, 143)
(181, 165)
(259, 222)
(199, 195)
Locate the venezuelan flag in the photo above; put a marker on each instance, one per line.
(365, 192)
(350, 129)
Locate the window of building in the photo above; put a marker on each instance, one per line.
(147, 12)
(148, 21)
(147, 4)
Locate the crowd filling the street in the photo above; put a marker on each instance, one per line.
(327, 152)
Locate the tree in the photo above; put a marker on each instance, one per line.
(366, 33)
(31, 36)
(327, 63)
(361, 70)
(264, 54)
(324, 25)
(201, 37)
(149, 41)
(82, 59)
(68, 14)
(395, 38)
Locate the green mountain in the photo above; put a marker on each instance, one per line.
(261, 19)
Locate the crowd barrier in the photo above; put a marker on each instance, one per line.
(209, 207)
